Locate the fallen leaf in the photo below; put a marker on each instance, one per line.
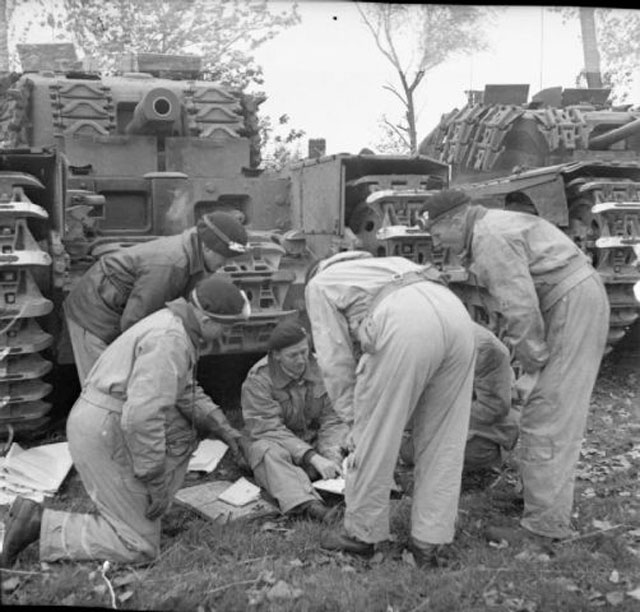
(100, 589)
(10, 584)
(525, 555)
(543, 558)
(500, 544)
(492, 597)
(615, 597)
(408, 558)
(69, 600)
(348, 569)
(125, 596)
(614, 576)
(601, 524)
(124, 580)
(296, 563)
(377, 558)
(282, 590)
(267, 576)
(635, 593)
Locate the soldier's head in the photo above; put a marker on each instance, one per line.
(445, 221)
(222, 237)
(217, 303)
(289, 346)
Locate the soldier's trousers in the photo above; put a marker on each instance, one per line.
(554, 417)
(420, 366)
(86, 348)
(120, 532)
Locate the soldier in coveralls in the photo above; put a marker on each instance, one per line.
(124, 286)
(131, 433)
(394, 343)
(557, 316)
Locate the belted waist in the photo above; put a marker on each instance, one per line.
(102, 400)
(398, 281)
(549, 298)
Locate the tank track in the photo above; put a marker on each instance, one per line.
(22, 339)
(604, 220)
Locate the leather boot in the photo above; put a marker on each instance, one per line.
(343, 542)
(427, 555)
(21, 529)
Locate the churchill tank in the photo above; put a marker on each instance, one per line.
(567, 155)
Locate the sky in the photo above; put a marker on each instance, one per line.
(327, 74)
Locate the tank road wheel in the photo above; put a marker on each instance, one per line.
(21, 305)
(604, 221)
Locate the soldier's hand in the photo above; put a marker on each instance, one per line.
(326, 467)
(159, 499)
(238, 447)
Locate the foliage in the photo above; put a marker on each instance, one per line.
(224, 33)
(390, 140)
(618, 42)
(415, 39)
(280, 142)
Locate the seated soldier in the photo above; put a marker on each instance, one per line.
(493, 424)
(295, 435)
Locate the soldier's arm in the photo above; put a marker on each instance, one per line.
(503, 269)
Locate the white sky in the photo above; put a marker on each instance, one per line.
(327, 74)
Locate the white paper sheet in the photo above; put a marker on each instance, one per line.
(240, 493)
(207, 456)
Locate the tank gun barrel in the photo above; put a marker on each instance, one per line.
(603, 141)
(156, 113)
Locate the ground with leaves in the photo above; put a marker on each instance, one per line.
(277, 564)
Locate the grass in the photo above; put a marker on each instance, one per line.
(278, 565)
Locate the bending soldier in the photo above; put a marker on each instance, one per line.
(131, 433)
(493, 424)
(124, 286)
(556, 313)
(416, 341)
(295, 435)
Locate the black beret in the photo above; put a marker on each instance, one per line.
(219, 298)
(222, 233)
(443, 202)
(286, 333)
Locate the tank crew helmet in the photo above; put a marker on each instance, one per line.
(222, 233)
(286, 333)
(443, 203)
(220, 300)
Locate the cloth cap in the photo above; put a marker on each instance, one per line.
(286, 333)
(223, 234)
(220, 299)
(443, 202)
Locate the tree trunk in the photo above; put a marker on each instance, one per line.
(4, 35)
(590, 47)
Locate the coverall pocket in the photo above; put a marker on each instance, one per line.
(537, 450)
(113, 298)
(179, 442)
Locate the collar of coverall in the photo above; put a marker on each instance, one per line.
(340, 257)
(235, 247)
(281, 379)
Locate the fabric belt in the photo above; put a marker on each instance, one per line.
(398, 281)
(101, 400)
(549, 299)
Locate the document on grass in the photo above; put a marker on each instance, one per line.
(207, 456)
(333, 485)
(240, 493)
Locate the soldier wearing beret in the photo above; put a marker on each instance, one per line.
(132, 431)
(124, 286)
(295, 434)
(556, 316)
